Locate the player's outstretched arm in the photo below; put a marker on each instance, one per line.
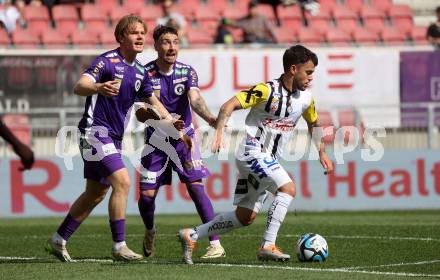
(223, 116)
(86, 86)
(24, 152)
(199, 106)
(162, 112)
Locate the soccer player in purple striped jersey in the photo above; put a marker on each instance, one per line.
(176, 85)
(112, 84)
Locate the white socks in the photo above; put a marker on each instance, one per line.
(58, 239)
(222, 223)
(275, 216)
(118, 245)
(214, 243)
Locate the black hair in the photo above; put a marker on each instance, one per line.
(298, 55)
(163, 29)
(437, 10)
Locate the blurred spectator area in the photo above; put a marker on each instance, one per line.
(90, 24)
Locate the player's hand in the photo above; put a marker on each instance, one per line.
(218, 142)
(187, 141)
(178, 124)
(26, 156)
(326, 163)
(108, 89)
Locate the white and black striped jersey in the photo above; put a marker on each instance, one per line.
(273, 116)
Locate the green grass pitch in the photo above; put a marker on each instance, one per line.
(362, 245)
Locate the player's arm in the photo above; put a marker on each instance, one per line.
(86, 86)
(311, 117)
(156, 111)
(24, 152)
(224, 114)
(199, 106)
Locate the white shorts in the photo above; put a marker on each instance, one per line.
(256, 176)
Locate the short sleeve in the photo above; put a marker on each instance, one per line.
(193, 79)
(146, 89)
(97, 69)
(253, 96)
(310, 114)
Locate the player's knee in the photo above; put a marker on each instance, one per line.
(289, 189)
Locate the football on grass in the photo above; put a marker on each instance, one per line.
(311, 247)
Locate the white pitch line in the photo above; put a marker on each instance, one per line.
(342, 270)
(394, 264)
(255, 235)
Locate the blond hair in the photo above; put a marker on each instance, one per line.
(124, 23)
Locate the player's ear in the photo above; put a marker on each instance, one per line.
(293, 69)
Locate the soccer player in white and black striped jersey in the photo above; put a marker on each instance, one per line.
(275, 108)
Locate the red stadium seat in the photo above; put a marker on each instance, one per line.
(4, 38)
(218, 5)
(53, 38)
(107, 5)
(199, 36)
(85, 38)
(327, 4)
(66, 18)
(134, 7)
(151, 13)
(364, 36)
(348, 25)
(284, 34)
(338, 37)
(206, 15)
(382, 5)
(266, 10)
(36, 16)
(19, 126)
(309, 36)
(355, 5)
(321, 21)
(108, 38)
(232, 12)
(343, 12)
(373, 18)
(392, 36)
(325, 121)
(47, 78)
(402, 18)
(23, 38)
(187, 8)
(290, 16)
(92, 15)
(418, 35)
(18, 77)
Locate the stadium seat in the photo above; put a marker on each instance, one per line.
(347, 24)
(187, 8)
(151, 13)
(267, 11)
(53, 38)
(18, 77)
(218, 5)
(85, 38)
(392, 36)
(36, 16)
(321, 21)
(355, 5)
(92, 15)
(206, 15)
(108, 39)
(325, 120)
(418, 35)
(327, 4)
(107, 5)
(19, 126)
(290, 16)
(348, 117)
(46, 78)
(338, 37)
(308, 35)
(373, 18)
(199, 36)
(402, 18)
(232, 12)
(23, 38)
(117, 14)
(284, 34)
(382, 5)
(66, 18)
(4, 38)
(364, 36)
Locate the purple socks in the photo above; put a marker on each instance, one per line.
(203, 204)
(147, 206)
(118, 230)
(68, 227)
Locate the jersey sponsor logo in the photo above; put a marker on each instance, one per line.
(271, 162)
(193, 164)
(256, 168)
(98, 67)
(148, 177)
(156, 92)
(115, 60)
(137, 85)
(119, 76)
(140, 76)
(183, 79)
(179, 89)
(119, 69)
(112, 54)
(278, 124)
(221, 225)
(140, 68)
(183, 71)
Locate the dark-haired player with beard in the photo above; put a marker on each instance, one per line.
(175, 84)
